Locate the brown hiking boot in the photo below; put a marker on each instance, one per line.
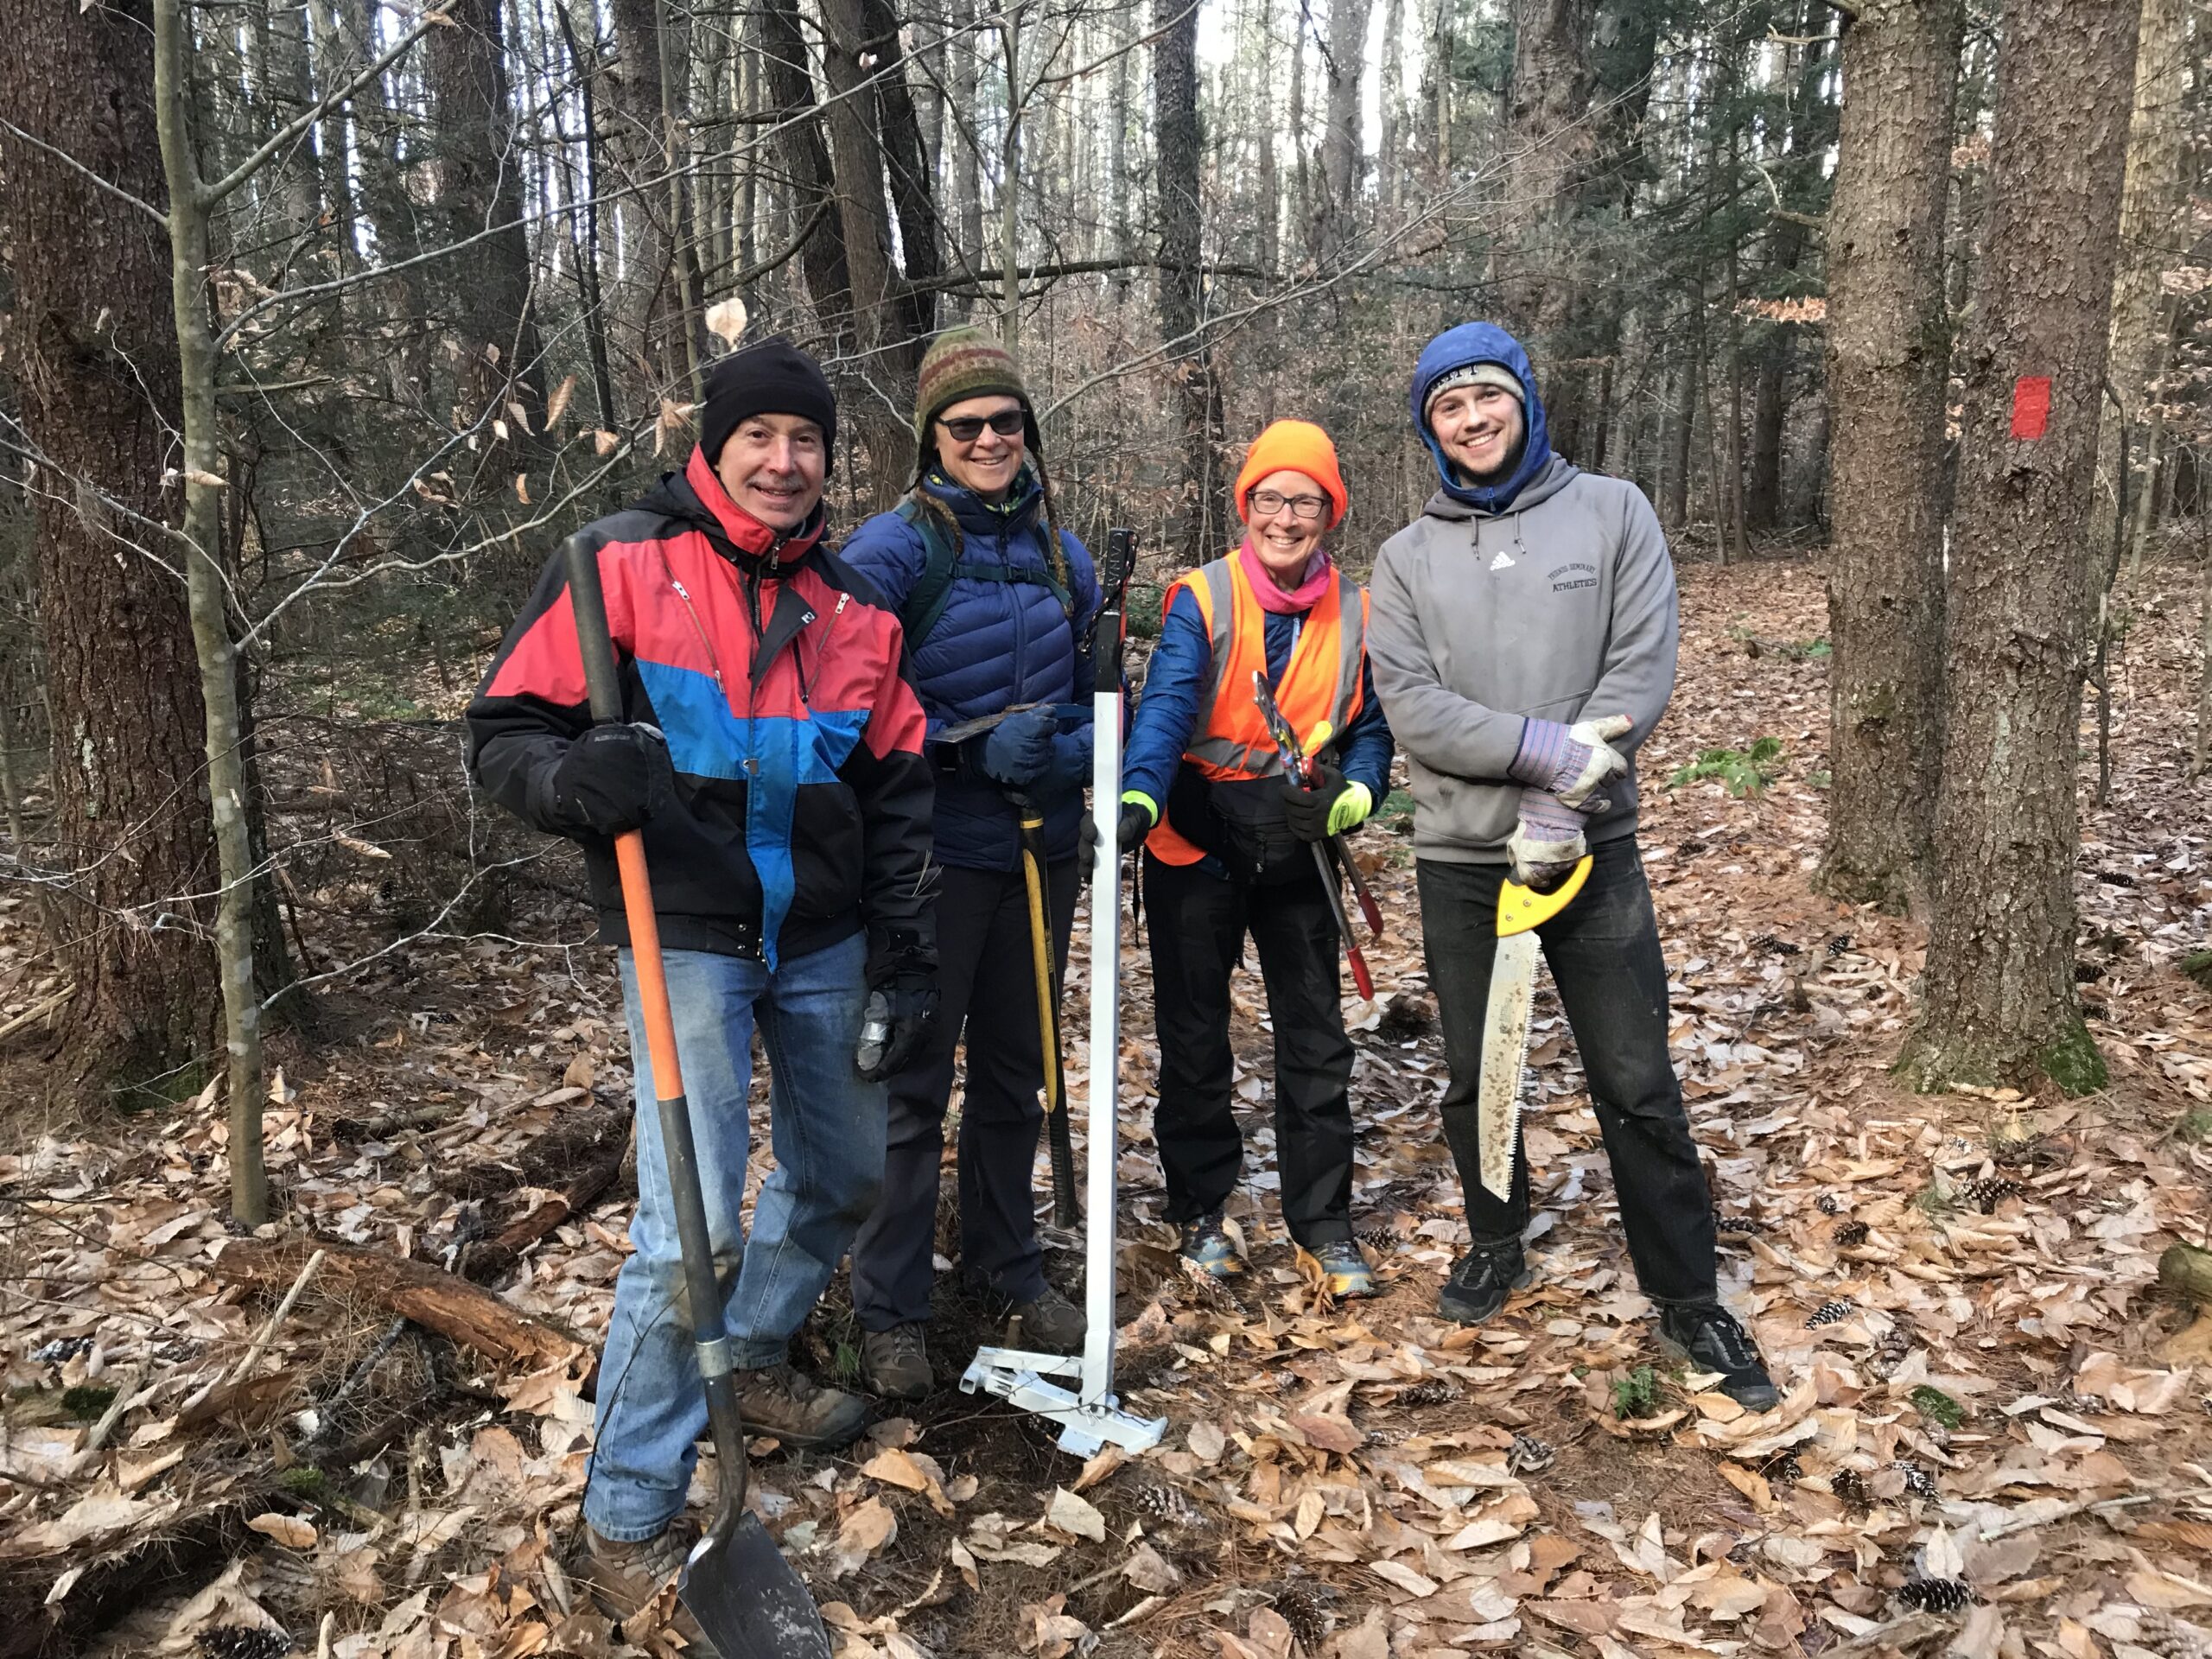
(1052, 1324)
(798, 1411)
(896, 1362)
(628, 1577)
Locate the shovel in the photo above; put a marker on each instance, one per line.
(736, 1583)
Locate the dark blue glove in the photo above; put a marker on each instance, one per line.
(1069, 769)
(1019, 748)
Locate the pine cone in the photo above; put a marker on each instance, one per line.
(1437, 1391)
(1829, 1205)
(1937, 1595)
(1839, 944)
(242, 1642)
(1169, 1505)
(2167, 1636)
(1890, 1352)
(1988, 1192)
(1833, 1312)
(2084, 1405)
(1784, 1466)
(1851, 1235)
(1381, 1240)
(1529, 1456)
(1918, 1480)
(1851, 1486)
(1304, 1608)
(1740, 1226)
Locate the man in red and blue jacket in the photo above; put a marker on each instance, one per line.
(771, 755)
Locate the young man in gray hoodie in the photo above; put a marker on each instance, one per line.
(1522, 636)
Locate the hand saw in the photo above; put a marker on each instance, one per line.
(1521, 911)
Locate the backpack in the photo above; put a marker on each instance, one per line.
(942, 563)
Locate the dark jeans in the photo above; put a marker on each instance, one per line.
(1198, 922)
(1603, 951)
(987, 984)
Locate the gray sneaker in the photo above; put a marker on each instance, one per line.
(896, 1362)
(1052, 1324)
(627, 1577)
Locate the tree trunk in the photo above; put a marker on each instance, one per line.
(93, 353)
(1549, 146)
(806, 162)
(1889, 358)
(906, 153)
(491, 300)
(2000, 1005)
(1341, 152)
(1391, 162)
(1175, 91)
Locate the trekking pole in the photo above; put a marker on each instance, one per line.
(1057, 1132)
(736, 1582)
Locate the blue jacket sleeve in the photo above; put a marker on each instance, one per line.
(1364, 755)
(1168, 712)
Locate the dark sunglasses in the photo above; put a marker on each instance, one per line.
(968, 427)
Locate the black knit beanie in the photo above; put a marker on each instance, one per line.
(772, 377)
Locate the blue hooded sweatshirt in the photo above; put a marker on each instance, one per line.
(1460, 348)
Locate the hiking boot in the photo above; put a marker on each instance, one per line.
(625, 1578)
(1712, 1340)
(1341, 1268)
(1206, 1245)
(779, 1401)
(896, 1362)
(1481, 1282)
(1052, 1324)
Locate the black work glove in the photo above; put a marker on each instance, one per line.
(1136, 821)
(1308, 806)
(895, 1020)
(1016, 752)
(613, 778)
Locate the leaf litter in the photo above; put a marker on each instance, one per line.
(1359, 1480)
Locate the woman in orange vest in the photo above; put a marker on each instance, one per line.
(1231, 854)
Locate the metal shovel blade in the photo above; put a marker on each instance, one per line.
(749, 1601)
(1505, 1046)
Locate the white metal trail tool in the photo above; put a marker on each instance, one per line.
(1089, 1414)
(1521, 911)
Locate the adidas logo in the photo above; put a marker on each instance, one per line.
(1503, 562)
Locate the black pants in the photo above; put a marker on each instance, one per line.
(1603, 951)
(1198, 923)
(987, 984)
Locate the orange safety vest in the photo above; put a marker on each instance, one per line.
(1321, 682)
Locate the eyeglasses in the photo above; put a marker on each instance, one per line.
(966, 429)
(1267, 502)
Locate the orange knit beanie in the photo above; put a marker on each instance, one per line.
(1299, 446)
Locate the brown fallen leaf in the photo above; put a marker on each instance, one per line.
(1329, 1434)
(287, 1530)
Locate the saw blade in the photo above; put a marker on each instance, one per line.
(1505, 1046)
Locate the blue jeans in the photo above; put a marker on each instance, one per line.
(828, 1131)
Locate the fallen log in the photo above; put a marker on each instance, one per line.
(489, 1259)
(2187, 1271)
(462, 1313)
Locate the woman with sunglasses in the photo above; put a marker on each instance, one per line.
(997, 602)
(1228, 842)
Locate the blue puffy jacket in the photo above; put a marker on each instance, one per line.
(997, 643)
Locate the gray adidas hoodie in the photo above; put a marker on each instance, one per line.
(1562, 606)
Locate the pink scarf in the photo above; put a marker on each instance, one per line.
(1286, 601)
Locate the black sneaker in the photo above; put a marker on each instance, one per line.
(1480, 1283)
(1711, 1339)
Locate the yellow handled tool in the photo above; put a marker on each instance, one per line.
(1521, 912)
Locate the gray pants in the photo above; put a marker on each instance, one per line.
(987, 987)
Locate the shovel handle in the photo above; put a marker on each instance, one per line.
(1057, 1133)
(603, 687)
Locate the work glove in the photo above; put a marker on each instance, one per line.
(1019, 748)
(1327, 806)
(613, 778)
(1546, 843)
(1139, 813)
(893, 1022)
(1571, 762)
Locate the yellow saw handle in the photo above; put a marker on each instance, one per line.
(1521, 908)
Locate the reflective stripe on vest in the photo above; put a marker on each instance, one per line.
(1320, 682)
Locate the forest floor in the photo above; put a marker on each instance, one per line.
(1984, 1384)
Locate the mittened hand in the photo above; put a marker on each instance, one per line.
(1330, 807)
(1139, 813)
(1546, 843)
(613, 778)
(1019, 748)
(893, 1022)
(1571, 762)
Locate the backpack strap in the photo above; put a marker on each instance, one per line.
(942, 565)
